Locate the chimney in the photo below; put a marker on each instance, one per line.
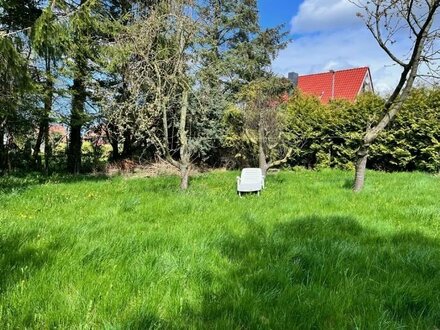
(293, 77)
(333, 83)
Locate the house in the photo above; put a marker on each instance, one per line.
(97, 135)
(335, 85)
(58, 132)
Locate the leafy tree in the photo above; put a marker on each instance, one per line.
(87, 26)
(18, 14)
(159, 81)
(14, 83)
(112, 83)
(264, 119)
(15, 79)
(179, 84)
(49, 41)
(235, 42)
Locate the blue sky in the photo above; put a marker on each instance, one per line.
(275, 12)
(326, 34)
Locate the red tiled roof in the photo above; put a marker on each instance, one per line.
(348, 83)
(57, 128)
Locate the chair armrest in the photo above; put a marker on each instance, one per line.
(238, 179)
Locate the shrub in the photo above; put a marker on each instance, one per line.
(329, 135)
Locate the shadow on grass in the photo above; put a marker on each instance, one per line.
(348, 184)
(19, 259)
(323, 273)
(18, 183)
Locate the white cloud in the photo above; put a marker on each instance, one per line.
(330, 36)
(319, 15)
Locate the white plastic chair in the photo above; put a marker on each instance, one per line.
(251, 180)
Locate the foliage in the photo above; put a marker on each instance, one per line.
(413, 140)
(16, 103)
(262, 103)
(96, 252)
(240, 148)
(18, 14)
(329, 135)
(14, 77)
(93, 62)
(49, 37)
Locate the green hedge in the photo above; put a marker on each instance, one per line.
(329, 135)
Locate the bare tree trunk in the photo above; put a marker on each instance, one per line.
(185, 162)
(184, 176)
(37, 147)
(112, 136)
(47, 149)
(47, 110)
(396, 100)
(9, 144)
(127, 150)
(262, 162)
(361, 167)
(2, 148)
(262, 159)
(76, 122)
(281, 161)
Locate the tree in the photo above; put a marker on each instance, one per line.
(160, 85)
(387, 21)
(112, 83)
(14, 83)
(87, 25)
(236, 51)
(235, 36)
(18, 14)
(15, 79)
(49, 40)
(264, 121)
(183, 63)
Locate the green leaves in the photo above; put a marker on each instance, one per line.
(329, 135)
(14, 77)
(49, 36)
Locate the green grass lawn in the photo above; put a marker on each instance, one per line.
(137, 253)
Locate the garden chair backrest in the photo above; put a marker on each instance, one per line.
(252, 175)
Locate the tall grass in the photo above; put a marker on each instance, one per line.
(138, 253)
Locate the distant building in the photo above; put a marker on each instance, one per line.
(335, 85)
(58, 132)
(96, 135)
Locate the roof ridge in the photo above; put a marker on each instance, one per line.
(336, 71)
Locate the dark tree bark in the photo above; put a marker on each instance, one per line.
(2, 147)
(112, 136)
(127, 150)
(9, 144)
(76, 122)
(46, 120)
(37, 146)
(81, 56)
